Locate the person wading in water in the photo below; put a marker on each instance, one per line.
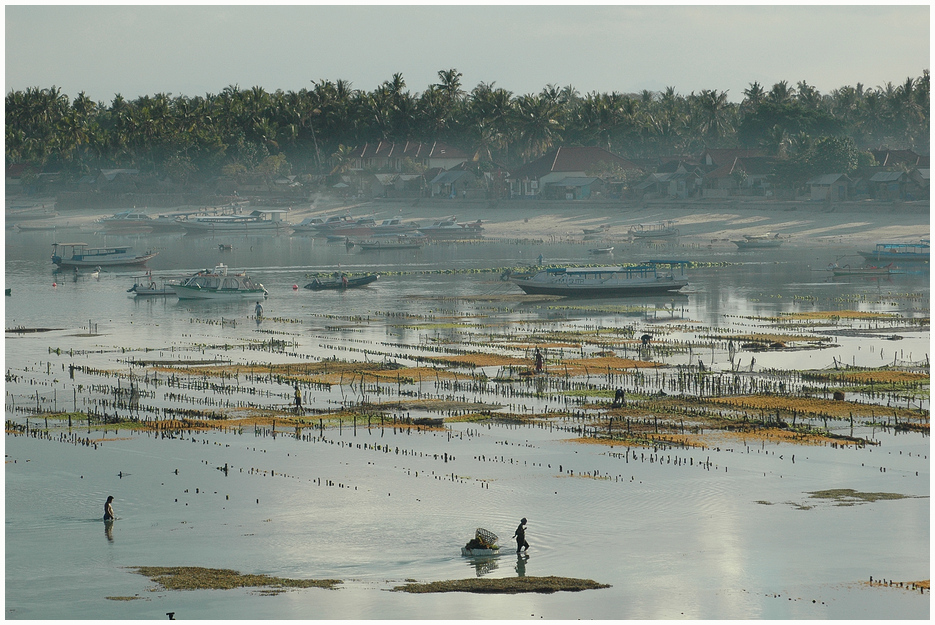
(520, 536)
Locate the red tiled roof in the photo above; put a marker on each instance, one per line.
(570, 159)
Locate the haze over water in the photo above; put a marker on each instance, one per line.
(721, 532)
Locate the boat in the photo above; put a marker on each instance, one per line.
(81, 255)
(219, 283)
(400, 243)
(602, 281)
(654, 230)
(394, 227)
(317, 225)
(341, 282)
(127, 221)
(260, 220)
(869, 270)
(450, 228)
(170, 222)
(145, 286)
(899, 252)
(758, 241)
(601, 250)
(599, 230)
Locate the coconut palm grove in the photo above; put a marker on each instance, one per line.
(311, 133)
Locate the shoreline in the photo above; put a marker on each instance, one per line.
(699, 222)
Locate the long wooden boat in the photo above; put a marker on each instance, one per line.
(220, 284)
(400, 243)
(899, 252)
(602, 281)
(758, 241)
(871, 270)
(81, 255)
(265, 220)
(341, 282)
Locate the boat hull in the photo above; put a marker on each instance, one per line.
(103, 261)
(337, 285)
(646, 288)
(896, 256)
(191, 292)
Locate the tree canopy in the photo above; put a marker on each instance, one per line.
(192, 138)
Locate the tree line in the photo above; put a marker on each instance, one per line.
(313, 131)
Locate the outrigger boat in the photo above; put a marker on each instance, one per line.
(219, 284)
(145, 286)
(603, 281)
(654, 230)
(265, 220)
(870, 270)
(899, 252)
(84, 256)
(758, 241)
(341, 282)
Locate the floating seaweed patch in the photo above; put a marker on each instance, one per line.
(198, 578)
(506, 585)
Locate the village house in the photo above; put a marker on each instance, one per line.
(565, 169)
(742, 176)
(675, 179)
(457, 183)
(829, 188)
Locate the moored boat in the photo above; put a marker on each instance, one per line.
(758, 241)
(899, 252)
(219, 284)
(81, 255)
(601, 250)
(402, 242)
(339, 282)
(146, 286)
(265, 220)
(128, 221)
(603, 281)
(869, 270)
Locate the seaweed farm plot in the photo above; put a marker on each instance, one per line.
(688, 440)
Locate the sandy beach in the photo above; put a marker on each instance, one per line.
(699, 222)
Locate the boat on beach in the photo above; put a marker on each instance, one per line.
(82, 255)
(219, 283)
(603, 281)
(260, 220)
(758, 241)
(317, 225)
(899, 252)
(601, 250)
(451, 228)
(341, 282)
(654, 230)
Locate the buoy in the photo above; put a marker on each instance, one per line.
(54, 285)
(295, 287)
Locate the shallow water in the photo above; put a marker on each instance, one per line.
(714, 533)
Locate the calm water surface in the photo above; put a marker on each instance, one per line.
(714, 533)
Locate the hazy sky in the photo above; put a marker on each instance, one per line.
(194, 50)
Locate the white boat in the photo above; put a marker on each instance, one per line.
(450, 228)
(401, 242)
(127, 221)
(317, 225)
(219, 284)
(603, 281)
(900, 252)
(260, 220)
(758, 241)
(81, 255)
